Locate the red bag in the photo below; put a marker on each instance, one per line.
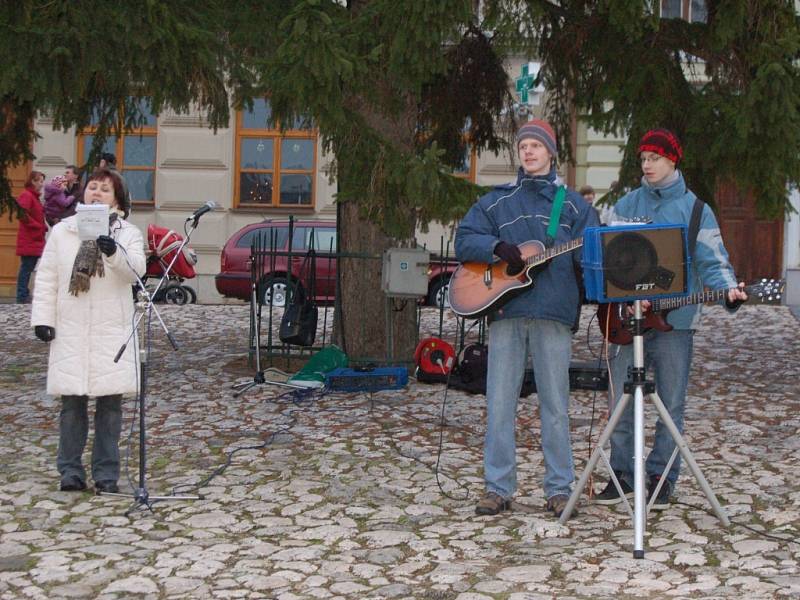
(163, 244)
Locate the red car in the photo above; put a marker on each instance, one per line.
(233, 280)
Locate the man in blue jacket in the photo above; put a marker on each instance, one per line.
(537, 322)
(663, 198)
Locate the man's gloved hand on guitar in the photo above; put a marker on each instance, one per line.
(511, 254)
(736, 296)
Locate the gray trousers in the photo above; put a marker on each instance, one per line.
(74, 430)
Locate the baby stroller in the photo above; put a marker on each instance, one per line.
(163, 244)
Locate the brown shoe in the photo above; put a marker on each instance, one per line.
(492, 504)
(557, 504)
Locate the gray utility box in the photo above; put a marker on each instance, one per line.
(405, 272)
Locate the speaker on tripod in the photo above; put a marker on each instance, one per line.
(635, 262)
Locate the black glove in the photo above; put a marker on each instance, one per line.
(44, 333)
(107, 245)
(511, 254)
(733, 305)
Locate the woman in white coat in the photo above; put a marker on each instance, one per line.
(83, 306)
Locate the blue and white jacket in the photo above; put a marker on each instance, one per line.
(520, 212)
(672, 204)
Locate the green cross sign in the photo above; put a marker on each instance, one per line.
(525, 82)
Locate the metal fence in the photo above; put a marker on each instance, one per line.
(281, 275)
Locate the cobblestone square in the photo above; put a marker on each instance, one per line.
(337, 496)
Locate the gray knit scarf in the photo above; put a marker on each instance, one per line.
(88, 263)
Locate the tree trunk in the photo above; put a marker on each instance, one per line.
(368, 319)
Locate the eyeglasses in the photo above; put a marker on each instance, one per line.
(650, 159)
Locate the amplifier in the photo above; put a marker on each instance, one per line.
(366, 380)
(582, 376)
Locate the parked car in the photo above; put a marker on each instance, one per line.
(233, 280)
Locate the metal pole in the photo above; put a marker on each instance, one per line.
(639, 499)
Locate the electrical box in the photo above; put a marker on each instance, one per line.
(405, 272)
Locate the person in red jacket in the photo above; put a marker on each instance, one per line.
(30, 235)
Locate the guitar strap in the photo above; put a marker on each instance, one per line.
(694, 225)
(555, 216)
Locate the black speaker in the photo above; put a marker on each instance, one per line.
(636, 262)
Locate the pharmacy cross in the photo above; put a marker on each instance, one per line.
(525, 83)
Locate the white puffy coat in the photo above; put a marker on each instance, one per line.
(92, 326)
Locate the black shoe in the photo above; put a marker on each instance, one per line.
(107, 487)
(610, 495)
(72, 484)
(662, 499)
(492, 504)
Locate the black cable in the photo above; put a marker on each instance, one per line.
(296, 396)
(760, 533)
(299, 399)
(439, 451)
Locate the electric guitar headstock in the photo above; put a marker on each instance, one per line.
(766, 291)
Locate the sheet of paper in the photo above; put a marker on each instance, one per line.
(92, 220)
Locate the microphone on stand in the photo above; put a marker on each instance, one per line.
(208, 206)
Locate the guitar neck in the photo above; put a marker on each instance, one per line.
(698, 298)
(549, 253)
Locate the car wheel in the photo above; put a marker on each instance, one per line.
(276, 290)
(176, 294)
(437, 296)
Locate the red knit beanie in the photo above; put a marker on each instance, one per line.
(663, 142)
(539, 130)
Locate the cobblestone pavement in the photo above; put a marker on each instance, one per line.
(343, 501)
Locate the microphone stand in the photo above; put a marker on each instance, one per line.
(146, 306)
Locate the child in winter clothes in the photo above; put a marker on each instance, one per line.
(57, 205)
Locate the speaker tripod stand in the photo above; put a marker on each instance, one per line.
(637, 388)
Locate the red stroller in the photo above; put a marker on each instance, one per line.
(163, 244)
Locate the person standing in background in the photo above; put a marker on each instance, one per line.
(588, 194)
(74, 187)
(30, 233)
(57, 204)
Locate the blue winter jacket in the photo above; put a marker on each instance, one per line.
(673, 204)
(520, 212)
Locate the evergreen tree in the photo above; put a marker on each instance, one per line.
(729, 86)
(91, 61)
(394, 87)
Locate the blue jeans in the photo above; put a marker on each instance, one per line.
(73, 431)
(26, 266)
(511, 341)
(669, 355)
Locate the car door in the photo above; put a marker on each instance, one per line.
(325, 242)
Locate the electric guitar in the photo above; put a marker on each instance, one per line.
(612, 317)
(480, 288)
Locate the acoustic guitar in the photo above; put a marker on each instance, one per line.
(480, 288)
(612, 317)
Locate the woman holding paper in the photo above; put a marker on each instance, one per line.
(83, 306)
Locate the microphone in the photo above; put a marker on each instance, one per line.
(208, 206)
